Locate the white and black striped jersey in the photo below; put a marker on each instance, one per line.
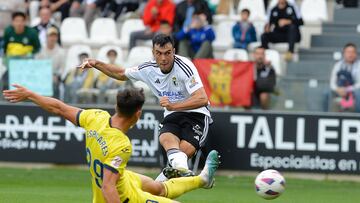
(177, 85)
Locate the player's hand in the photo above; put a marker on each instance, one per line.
(16, 95)
(164, 102)
(87, 63)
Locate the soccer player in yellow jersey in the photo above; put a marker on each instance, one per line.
(108, 150)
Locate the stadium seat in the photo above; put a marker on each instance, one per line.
(314, 10)
(72, 58)
(224, 39)
(259, 28)
(139, 55)
(103, 51)
(256, 7)
(103, 31)
(73, 31)
(127, 28)
(34, 9)
(236, 55)
(35, 21)
(274, 57)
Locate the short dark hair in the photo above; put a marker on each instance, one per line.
(350, 44)
(129, 101)
(112, 51)
(18, 13)
(245, 10)
(259, 47)
(162, 40)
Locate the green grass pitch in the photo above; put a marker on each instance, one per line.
(67, 185)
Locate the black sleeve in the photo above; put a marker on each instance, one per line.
(294, 18)
(273, 20)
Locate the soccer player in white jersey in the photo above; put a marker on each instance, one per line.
(175, 81)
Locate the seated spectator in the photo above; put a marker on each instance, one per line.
(286, 27)
(62, 6)
(107, 85)
(155, 12)
(243, 31)
(265, 79)
(186, 9)
(165, 28)
(78, 80)
(19, 39)
(195, 41)
(85, 9)
(45, 23)
(53, 51)
(121, 6)
(345, 83)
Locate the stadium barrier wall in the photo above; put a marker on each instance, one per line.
(303, 142)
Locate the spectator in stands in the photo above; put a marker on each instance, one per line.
(165, 28)
(195, 41)
(62, 6)
(345, 82)
(19, 39)
(265, 79)
(243, 31)
(286, 25)
(121, 6)
(186, 9)
(85, 9)
(53, 51)
(45, 24)
(105, 84)
(155, 12)
(78, 80)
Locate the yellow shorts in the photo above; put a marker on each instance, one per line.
(134, 194)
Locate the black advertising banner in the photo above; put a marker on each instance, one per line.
(29, 134)
(301, 142)
(288, 142)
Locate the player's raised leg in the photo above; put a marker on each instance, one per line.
(175, 187)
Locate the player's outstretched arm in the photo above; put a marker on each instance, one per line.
(110, 70)
(109, 186)
(47, 103)
(196, 100)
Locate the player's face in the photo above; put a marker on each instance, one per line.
(164, 56)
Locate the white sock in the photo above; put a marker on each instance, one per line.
(178, 160)
(161, 177)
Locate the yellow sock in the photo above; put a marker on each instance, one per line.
(178, 186)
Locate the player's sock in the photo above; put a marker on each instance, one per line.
(178, 186)
(161, 177)
(177, 158)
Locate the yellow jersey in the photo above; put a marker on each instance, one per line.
(105, 147)
(110, 148)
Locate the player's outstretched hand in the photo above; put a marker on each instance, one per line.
(164, 102)
(16, 95)
(87, 63)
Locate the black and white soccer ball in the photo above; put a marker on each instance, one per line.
(269, 184)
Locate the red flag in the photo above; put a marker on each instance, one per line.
(227, 82)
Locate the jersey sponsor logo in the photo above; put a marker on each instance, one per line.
(157, 81)
(116, 162)
(193, 82)
(126, 150)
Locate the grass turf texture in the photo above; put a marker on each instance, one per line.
(59, 185)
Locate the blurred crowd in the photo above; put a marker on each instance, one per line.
(190, 22)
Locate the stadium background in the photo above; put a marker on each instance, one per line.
(294, 136)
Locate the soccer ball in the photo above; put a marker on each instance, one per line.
(269, 184)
